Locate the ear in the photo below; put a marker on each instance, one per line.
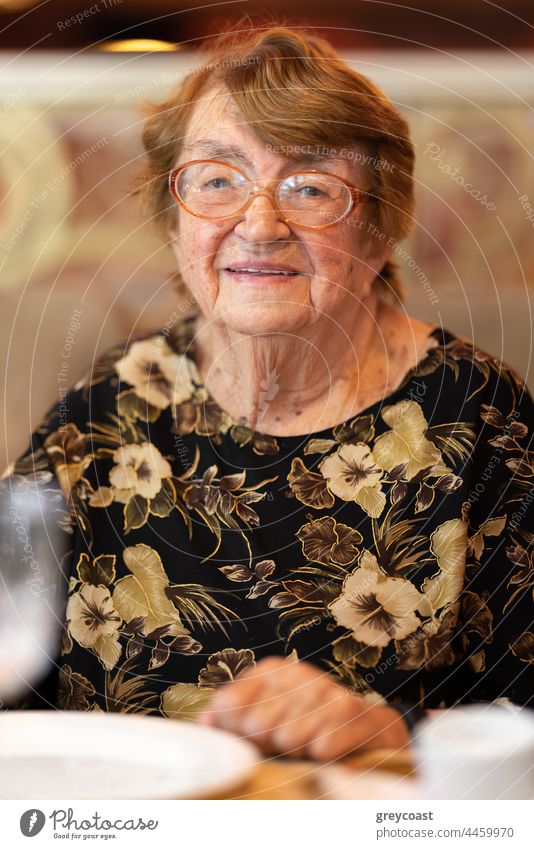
(378, 256)
(174, 242)
(172, 229)
(375, 262)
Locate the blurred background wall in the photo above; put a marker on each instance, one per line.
(79, 267)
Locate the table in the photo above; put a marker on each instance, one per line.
(283, 778)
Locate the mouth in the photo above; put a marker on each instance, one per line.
(261, 271)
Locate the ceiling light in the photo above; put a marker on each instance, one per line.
(139, 45)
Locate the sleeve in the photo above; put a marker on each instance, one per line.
(52, 467)
(496, 615)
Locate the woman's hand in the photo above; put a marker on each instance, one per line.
(294, 708)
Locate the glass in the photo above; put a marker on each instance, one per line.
(476, 751)
(214, 190)
(32, 582)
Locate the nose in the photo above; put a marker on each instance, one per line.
(262, 222)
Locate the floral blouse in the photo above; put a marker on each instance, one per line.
(394, 550)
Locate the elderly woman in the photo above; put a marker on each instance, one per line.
(302, 515)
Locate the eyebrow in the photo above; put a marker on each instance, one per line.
(215, 150)
(315, 159)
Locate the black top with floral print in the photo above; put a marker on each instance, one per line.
(394, 550)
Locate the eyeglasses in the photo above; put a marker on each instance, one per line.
(215, 190)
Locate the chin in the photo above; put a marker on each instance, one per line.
(258, 318)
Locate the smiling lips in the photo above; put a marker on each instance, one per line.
(261, 270)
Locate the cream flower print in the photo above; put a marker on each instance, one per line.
(139, 471)
(377, 609)
(158, 375)
(406, 442)
(448, 544)
(353, 475)
(94, 623)
(369, 561)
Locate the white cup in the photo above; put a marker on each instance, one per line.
(476, 752)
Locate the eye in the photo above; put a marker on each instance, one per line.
(308, 188)
(216, 183)
(311, 191)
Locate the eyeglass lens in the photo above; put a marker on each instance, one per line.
(215, 190)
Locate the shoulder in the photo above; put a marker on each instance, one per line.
(134, 380)
(467, 379)
(156, 366)
(479, 399)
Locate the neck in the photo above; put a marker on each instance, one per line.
(286, 384)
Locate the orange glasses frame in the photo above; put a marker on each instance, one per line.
(355, 194)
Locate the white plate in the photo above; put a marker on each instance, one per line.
(77, 755)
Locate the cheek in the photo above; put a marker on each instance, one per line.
(201, 242)
(333, 262)
(194, 242)
(196, 245)
(342, 269)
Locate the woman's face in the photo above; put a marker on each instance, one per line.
(334, 266)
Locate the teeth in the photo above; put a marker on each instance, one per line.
(263, 271)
